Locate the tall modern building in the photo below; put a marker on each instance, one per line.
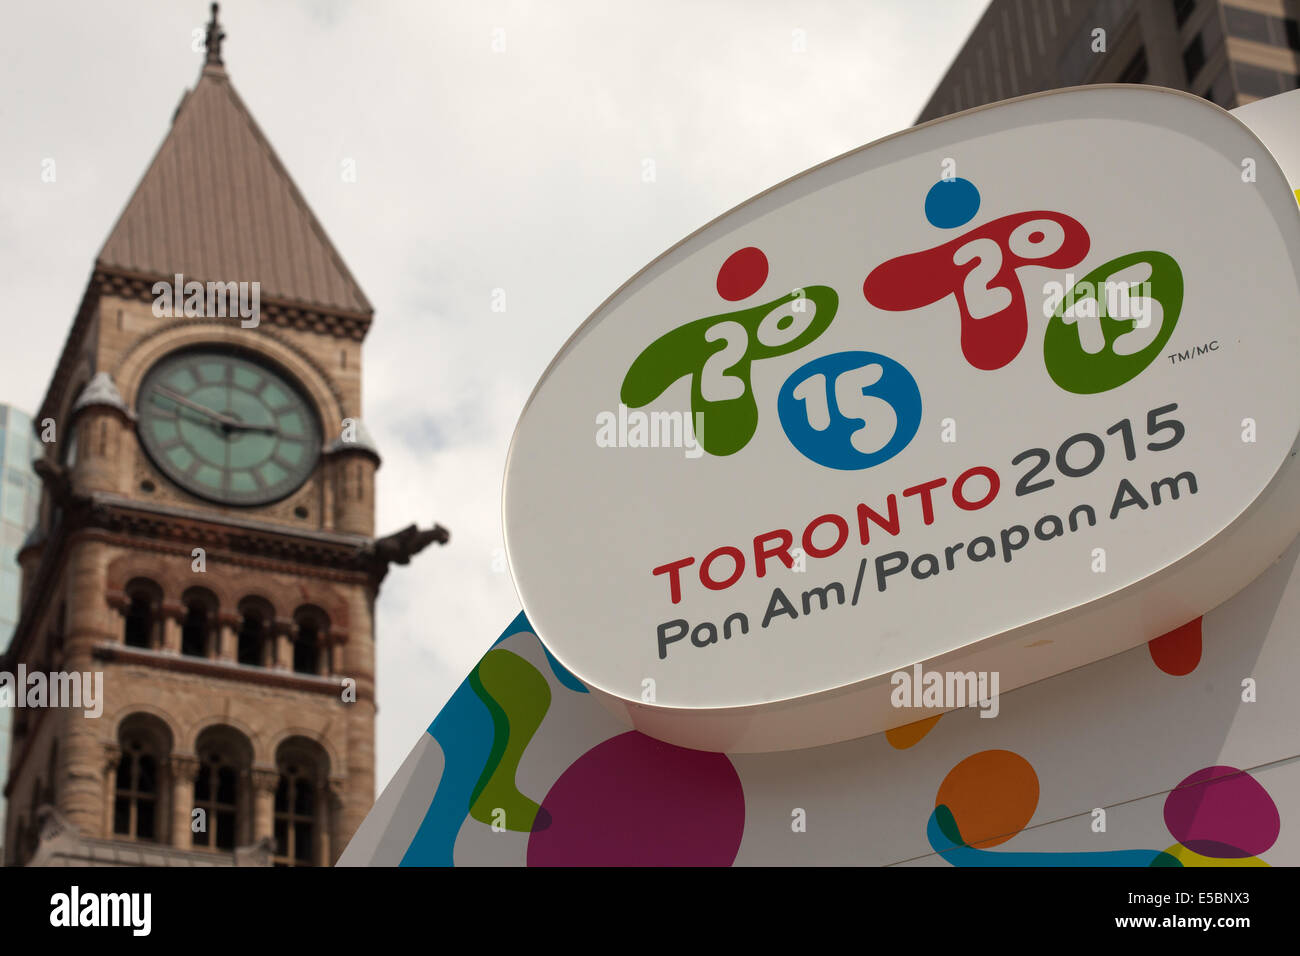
(1231, 52)
(206, 535)
(20, 497)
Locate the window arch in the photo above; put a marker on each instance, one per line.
(144, 598)
(301, 806)
(197, 622)
(225, 756)
(254, 645)
(145, 744)
(311, 626)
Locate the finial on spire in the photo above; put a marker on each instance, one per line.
(213, 39)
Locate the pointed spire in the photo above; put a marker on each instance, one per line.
(217, 204)
(213, 40)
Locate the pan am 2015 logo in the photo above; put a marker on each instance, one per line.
(1104, 349)
(721, 393)
(856, 409)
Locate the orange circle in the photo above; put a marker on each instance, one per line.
(992, 795)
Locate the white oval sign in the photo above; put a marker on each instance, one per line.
(1006, 393)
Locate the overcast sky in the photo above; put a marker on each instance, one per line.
(519, 169)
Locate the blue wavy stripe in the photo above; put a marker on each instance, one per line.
(463, 729)
(960, 855)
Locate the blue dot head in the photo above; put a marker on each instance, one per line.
(951, 203)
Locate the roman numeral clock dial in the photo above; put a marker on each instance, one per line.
(227, 427)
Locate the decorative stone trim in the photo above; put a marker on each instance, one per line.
(206, 667)
(264, 780)
(112, 280)
(185, 767)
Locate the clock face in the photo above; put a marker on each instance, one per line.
(226, 427)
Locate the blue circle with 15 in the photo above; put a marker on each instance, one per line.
(850, 410)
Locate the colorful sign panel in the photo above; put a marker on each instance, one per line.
(1011, 392)
(1180, 752)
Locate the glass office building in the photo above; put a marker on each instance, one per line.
(20, 495)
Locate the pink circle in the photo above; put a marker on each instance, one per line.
(1222, 812)
(742, 274)
(636, 801)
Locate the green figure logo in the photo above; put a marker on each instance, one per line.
(717, 353)
(1123, 313)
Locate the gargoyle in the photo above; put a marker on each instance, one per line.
(400, 546)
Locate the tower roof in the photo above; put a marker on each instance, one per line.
(216, 204)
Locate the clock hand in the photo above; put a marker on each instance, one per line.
(227, 423)
(182, 400)
(249, 427)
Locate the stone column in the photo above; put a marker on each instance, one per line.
(359, 662)
(266, 651)
(119, 602)
(172, 615)
(264, 783)
(112, 758)
(228, 636)
(324, 655)
(185, 771)
(282, 635)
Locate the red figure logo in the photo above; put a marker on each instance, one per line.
(979, 268)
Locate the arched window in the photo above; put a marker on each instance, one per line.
(196, 625)
(253, 644)
(224, 758)
(295, 817)
(306, 649)
(135, 808)
(194, 631)
(145, 744)
(299, 803)
(310, 627)
(216, 794)
(141, 625)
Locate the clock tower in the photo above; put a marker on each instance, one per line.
(199, 592)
